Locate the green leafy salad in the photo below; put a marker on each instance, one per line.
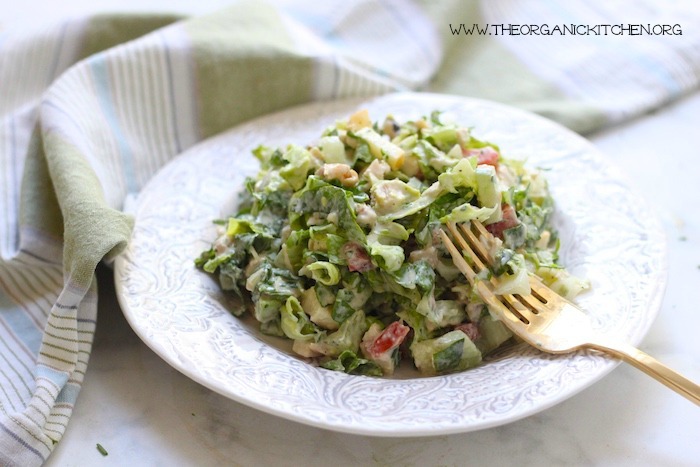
(336, 246)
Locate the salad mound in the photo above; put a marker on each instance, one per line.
(336, 246)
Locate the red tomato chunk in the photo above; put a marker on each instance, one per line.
(389, 339)
(357, 257)
(485, 155)
(509, 221)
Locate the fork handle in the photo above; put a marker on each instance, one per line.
(652, 367)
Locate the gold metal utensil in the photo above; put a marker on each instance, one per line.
(545, 319)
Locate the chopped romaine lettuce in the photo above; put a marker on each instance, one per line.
(347, 337)
(448, 353)
(296, 323)
(336, 245)
(350, 363)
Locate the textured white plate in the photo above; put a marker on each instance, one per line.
(608, 236)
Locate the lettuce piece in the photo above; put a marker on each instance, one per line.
(447, 270)
(443, 137)
(230, 279)
(295, 246)
(543, 259)
(517, 280)
(388, 257)
(272, 328)
(427, 197)
(381, 281)
(488, 192)
(322, 197)
(236, 253)
(353, 295)
(319, 314)
(535, 219)
(448, 353)
(388, 232)
(467, 212)
(204, 257)
(441, 313)
(269, 157)
(211, 264)
(322, 271)
(383, 245)
(348, 362)
(381, 148)
(415, 275)
(333, 150)
(276, 282)
(357, 288)
(433, 161)
(334, 249)
(296, 323)
(240, 225)
(319, 236)
(475, 143)
(325, 294)
(444, 206)
(342, 309)
(515, 236)
(562, 282)
(417, 322)
(267, 309)
(493, 334)
(462, 174)
(267, 183)
(347, 337)
(270, 192)
(363, 154)
(300, 163)
(389, 196)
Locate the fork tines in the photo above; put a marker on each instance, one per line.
(475, 242)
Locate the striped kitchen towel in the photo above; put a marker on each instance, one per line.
(91, 109)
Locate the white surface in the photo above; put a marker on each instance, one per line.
(182, 315)
(146, 413)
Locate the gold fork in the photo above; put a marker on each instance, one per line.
(545, 319)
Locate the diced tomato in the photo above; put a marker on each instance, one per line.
(357, 257)
(390, 338)
(509, 220)
(485, 155)
(470, 329)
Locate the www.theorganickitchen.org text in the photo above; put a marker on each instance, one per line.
(475, 29)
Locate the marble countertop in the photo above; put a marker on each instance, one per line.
(143, 412)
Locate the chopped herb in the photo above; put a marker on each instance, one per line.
(102, 450)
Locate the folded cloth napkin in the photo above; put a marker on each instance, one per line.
(92, 108)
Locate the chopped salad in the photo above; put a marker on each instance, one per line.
(335, 245)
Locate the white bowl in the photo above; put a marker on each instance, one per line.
(608, 236)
